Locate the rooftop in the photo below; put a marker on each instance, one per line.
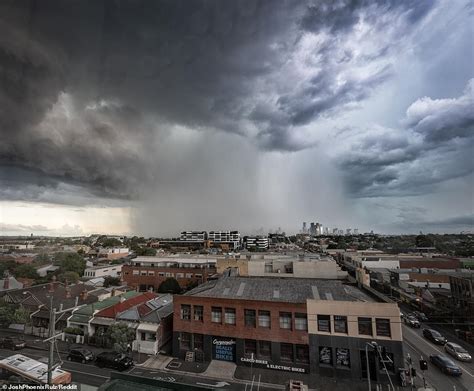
(279, 289)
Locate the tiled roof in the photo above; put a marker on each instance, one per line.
(111, 312)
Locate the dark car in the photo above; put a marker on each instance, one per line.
(458, 352)
(445, 364)
(113, 360)
(12, 343)
(80, 355)
(434, 336)
(411, 321)
(420, 316)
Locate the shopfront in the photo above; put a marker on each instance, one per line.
(223, 349)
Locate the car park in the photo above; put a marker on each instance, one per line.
(13, 343)
(113, 360)
(458, 352)
(80, 355)
(434, 336)
(445, 364)
(411, 321)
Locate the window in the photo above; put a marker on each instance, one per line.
(198, 275)
(216, 314)
(382, 327)
(250, 318)
(185, 312)
(229, 316)
(286, 352)
(365, 326)
(179, 275)
(161, 274)
(185, 341)
(264, 350)
(285, 320)
(143, 273)
(343, 357)
(301, 322)
(169, 275)
(324, 323)
(135, 272)
(198, 342)
(264, 319)
(302, 354)
(340, 324)
(151, 273)
(198, 313)
(250, 347)
(189, 275)
(143, 336)
(325, 355)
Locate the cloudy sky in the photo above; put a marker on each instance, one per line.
(151, 117)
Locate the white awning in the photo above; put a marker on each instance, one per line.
(153, 328)
(103, 321)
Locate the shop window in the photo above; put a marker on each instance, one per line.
(198, 342)
(185, 312)
(324, 323)
(264, 350)
(229, 316)
(198, 313)
(285, 320)
(302, 354)
(365, 326)
(286, 352)
(250, 347)
(264, 319)
(340, 324)
(216, 314)
(250, 318)
(325, 355)
(142, 288)
(301, 322)
(185, 341)
(382, 327)
(343, 357)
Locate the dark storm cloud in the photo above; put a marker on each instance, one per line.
(85, 83)
(436, 146)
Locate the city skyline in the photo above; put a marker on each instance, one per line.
(150, 118)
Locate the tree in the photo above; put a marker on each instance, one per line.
(71, 262)
(111, 281)
(21, 316)
(42, 259)
(170, 285)
(25, 271)
(111, 242)
(6, 314)
(145, 251)
(121, 335)
(70, 277)
(7, 265)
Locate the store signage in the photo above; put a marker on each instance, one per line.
(223, 349)
(228, 342)
(266, 364)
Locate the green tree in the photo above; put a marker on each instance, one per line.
(145, 251)
(121, 336)
(21, 316)
(7, 265)
(170, 285)
(111, 281)
(71, 262)
(7, 312)
(25, 271)
(111, 242)
(42, 259)
(70, 277)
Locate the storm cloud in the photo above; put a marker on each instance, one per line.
(184, 107)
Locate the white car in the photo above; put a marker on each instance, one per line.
(458, 352)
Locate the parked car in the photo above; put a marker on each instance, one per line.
(434, 336)
(420, 316)
(113, 360)
(458, 352)
(81, 355)
(446, 365)
(13, 343)
(411, 321)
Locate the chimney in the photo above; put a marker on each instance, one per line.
(6, 283)
(84, 294)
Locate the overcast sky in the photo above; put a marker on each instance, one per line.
(152, 117)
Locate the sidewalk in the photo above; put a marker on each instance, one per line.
(34, 342)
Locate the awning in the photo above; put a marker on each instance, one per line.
(103, 321)
(153, 328)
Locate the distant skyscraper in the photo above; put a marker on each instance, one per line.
(304, 227)
(334, 231)
(356, 231)
(312, 229)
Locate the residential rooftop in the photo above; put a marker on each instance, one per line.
(279, 289)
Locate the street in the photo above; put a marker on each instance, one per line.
(418, 346)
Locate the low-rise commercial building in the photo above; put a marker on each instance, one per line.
(103, 271)
(113, 253)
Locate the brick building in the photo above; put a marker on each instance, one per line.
(145, 273)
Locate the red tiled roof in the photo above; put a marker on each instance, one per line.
(111, 312)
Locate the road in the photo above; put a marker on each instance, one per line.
(94, 376)
(418, 346)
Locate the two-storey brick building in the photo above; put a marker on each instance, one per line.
(147, 273)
